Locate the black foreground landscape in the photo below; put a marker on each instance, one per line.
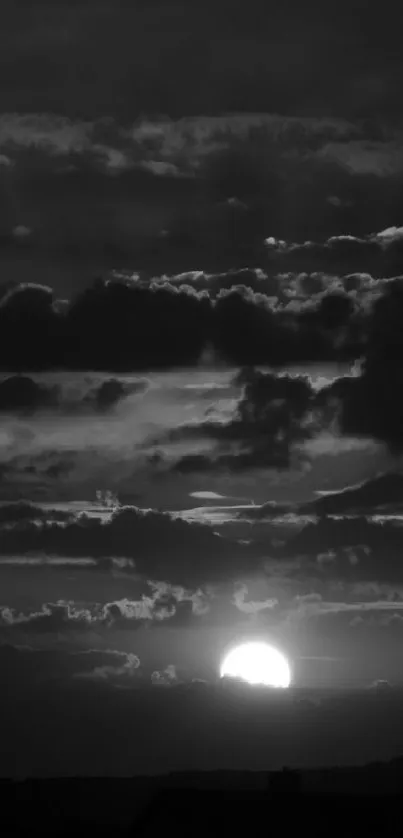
(358, 799)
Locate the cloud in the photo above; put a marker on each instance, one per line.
(108, 394)
(207, 495)
(202, 136)
(174, 194)
(126, 614)
(283, 420)
(184, 424)
(382, 494)
(380, 684)
(52, 561)
(161, 545)
(92, 450)
(30, 669)
(28, 324)
(19, 393)
(373, 407)
(162, 144)
(53, 618)
(20, 231)
(166, 677)
(280, 334)
(377, 253)
(250, 606)
(313, 605)
(273, 414)
(382, 157)
(54, 133)
(125, 667)
(351, 548)
(388, 623)
(75, 622)
(19, 511)
(369, 405)
(131, 322)
(113, 325)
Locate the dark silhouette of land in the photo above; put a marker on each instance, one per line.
(334, 801)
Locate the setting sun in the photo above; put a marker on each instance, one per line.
(257, 663)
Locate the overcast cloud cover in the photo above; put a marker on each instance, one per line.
(201, 387)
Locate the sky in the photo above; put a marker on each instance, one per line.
(201, 391)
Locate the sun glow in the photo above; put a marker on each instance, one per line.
(257, 663)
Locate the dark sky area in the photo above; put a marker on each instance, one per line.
(201, 389)
(99, 58)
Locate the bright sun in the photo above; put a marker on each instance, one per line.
(257, 663)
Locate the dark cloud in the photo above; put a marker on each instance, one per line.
(132, 324)
(266, 336)
(161, 545)
(123, 665)
(191, 463)
(380, 254)
(368, 403)
(273, 415)
(164, 195)
(29, 328)
(12, 513)
(381, 494)
(35, 470)
(110, 392)
(351, 548)
(278, 413)
(290, 312)
(110, 326)
(20, 394)
(99, 397)
(372, 404)
(29, 669)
